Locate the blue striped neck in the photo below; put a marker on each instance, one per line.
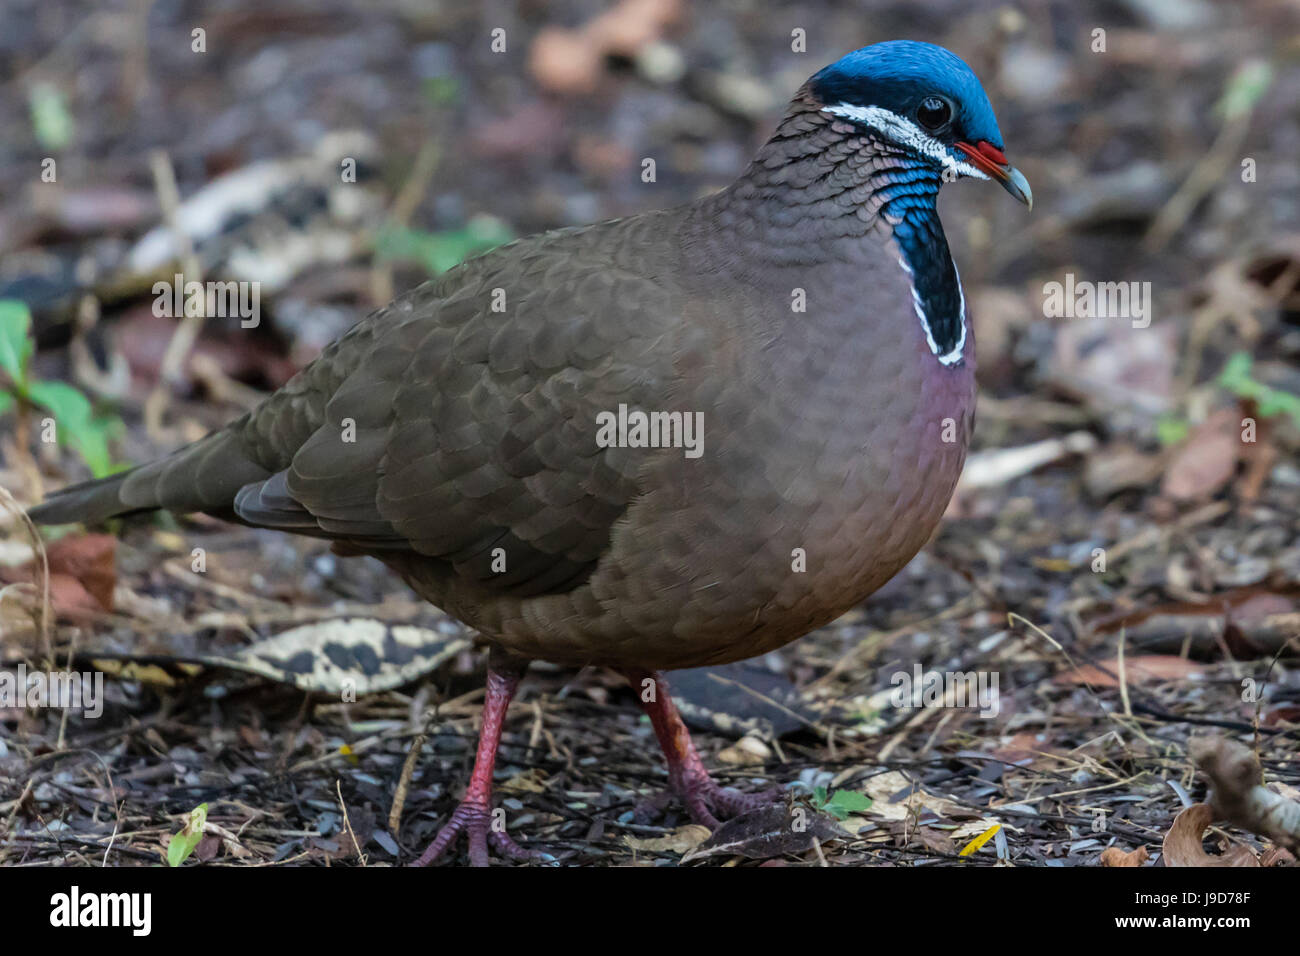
(804, 200)
(909, 194)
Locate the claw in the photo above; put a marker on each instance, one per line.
(688, 779)
(474, 819)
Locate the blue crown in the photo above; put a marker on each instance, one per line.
(899, 74)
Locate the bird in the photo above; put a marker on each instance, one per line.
(676, 439)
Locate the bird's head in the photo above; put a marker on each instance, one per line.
(926, 101)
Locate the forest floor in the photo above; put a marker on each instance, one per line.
(1120, 566)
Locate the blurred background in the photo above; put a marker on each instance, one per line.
(465, 124)
(340, 153)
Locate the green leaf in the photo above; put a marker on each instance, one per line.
(1236, 371)
(442, 90)
(1236, 378)
(850, 801)
(440, 251)
(1245, 88)
(1277, 402)
(92, 445)
(70, 408)
(1170, 430)
(15, 340)
(76, 425)
(6, 402)
(182, 844)
(51, 121)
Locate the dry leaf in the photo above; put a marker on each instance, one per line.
(71, 601)
(980, 825)
(83, 574)
(1182, 846)
(573, 61)
(974, 845)
(744, 752)
(774, 830)
(530, 781)
(883, 787)
(565, 62)
(682, 840)
(1117, 467)
(933, 839)
(1140, 669)
(1207, 460)
(1114, 856)
(1108, 367)
(1022, 747)
(90, 558)
(1236, 794)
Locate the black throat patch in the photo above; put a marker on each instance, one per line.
(936, 289)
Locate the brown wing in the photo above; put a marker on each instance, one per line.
(462, 418)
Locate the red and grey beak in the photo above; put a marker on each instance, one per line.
(987, 158)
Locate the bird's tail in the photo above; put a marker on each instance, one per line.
(204, 476)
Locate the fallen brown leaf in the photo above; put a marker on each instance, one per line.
(1182, 845)
(775, 830)
(91, 559)
(682, 840)
(572, 61)
(1114, 856)
(1207, 460)
(1238, 796)
(1140, 669)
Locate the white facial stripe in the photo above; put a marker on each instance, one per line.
(955, 355)
(905, 133)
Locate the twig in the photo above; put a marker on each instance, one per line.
(404, 206)
(1207, 172)
(404, 782)
(338, 785)
(187, 329)
(1123, 674)
(43, 615)
(9, 820)
(63, 720)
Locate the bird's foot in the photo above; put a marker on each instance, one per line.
(483, 826)
(706, 801)
(484, 829)
(688, 779)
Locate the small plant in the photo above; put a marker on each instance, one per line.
(1236, 378)
(1171, 429)
(73, 417)
(183, 844)
(841, 803)
(440, 251)
(52, 122)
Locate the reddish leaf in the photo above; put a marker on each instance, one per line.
(1143, 668)
(91, 560)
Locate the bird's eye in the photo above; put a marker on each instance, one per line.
(933, 113)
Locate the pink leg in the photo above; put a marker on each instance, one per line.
(474, 815)
(687, 776)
